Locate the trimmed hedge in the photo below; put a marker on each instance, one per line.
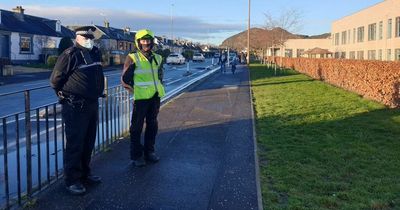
(376, 80)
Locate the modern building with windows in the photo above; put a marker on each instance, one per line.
(372, 33)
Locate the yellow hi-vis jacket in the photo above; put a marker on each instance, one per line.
(145, 79)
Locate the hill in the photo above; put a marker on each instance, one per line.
(263, 38)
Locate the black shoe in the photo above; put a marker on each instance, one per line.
(92, 179)
(152, 157)
(76, 189)
(139, 162)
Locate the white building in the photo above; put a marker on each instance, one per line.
(25, 38)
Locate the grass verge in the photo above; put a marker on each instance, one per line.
(321, 147)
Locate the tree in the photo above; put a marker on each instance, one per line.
(288, 21)
(65, 43)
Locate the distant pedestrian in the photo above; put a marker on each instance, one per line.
(78, 80)
(234, 62)
(223, 63)
(142, 75)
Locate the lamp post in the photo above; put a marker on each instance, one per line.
(172, 22)
(248, 37)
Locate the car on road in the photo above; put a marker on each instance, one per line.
(175, 58)
(198, 57)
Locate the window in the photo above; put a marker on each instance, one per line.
(354, 35)
(389, 55)
(352, 55)
(360, 55)
(380, 55)
(397, 32)
(397, 54)
(389, 29)
(25, 44)
(380, 30)
(337, 39)
(348, 37)
(343, 55)
(344, 37)
(337, 54)
(360, 34)
(300, 52)
(289, 53)
(372, 32)
(371, 54)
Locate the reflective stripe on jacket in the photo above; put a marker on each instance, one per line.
(145, 79)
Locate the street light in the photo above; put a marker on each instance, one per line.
(172, 22)
(248, 38)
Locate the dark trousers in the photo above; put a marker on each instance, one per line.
(144, 109)
(80, 130)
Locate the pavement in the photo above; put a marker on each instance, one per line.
(207, 150)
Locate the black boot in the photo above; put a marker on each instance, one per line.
(152, 157)
(76, 189)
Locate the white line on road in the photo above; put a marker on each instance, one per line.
(174, 81)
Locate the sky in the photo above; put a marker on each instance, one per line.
(205, 21)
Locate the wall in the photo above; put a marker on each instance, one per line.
(376, 80)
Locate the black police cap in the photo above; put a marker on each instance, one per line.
(86, 31)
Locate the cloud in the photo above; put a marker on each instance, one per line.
(185, 27)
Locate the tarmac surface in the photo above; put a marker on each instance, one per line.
(206, 146)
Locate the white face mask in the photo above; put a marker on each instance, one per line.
(88, 43)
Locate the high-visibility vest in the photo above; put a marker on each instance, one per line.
(145, 79)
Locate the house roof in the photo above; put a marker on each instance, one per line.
(22, 23)
(115, 33)
(317, 50)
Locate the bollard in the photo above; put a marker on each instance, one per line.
(212, 61)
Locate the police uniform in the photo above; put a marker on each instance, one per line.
(78, 80)
(143, 74)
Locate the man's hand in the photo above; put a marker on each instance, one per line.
(129, 88)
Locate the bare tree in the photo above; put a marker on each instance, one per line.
(288, 21)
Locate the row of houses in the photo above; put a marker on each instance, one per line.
(370, 34)
(29, 39)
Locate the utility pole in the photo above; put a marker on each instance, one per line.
(248, 38)
(172, 22)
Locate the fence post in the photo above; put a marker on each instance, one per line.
(106, 103)
(28, 143)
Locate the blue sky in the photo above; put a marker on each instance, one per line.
(206, 21)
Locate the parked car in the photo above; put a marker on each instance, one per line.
(176, 58)
(198, 57)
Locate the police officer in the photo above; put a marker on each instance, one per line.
(142, 75)
(78, 80)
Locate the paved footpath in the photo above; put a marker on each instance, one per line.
(207, 161)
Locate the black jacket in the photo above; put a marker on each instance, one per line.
(78, 72)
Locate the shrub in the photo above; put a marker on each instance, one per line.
(51, 60)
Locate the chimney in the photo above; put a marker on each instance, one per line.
(106, 24)
(19, 10)
(58, 25)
